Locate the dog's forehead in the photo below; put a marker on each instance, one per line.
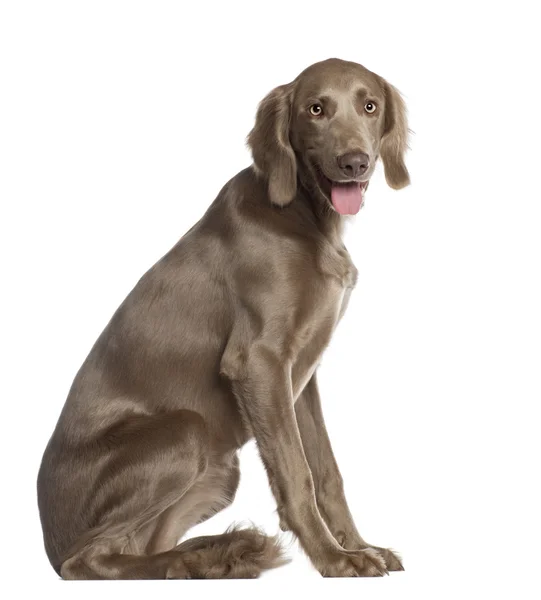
(334, 76)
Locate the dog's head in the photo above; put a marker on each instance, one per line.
(328, 128)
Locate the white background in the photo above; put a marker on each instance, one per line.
(109, 112)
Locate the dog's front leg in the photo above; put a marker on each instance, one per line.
(264, 394)
(328, 483)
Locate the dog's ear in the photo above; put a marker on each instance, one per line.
(269, 142)
(394, 141)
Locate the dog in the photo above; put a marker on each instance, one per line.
(219, 343)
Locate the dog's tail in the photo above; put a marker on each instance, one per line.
(235, 554)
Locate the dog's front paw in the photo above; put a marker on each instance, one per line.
(352, 541)
(351, 563)
(391, 558)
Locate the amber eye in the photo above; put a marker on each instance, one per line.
(370, 107)
(316, 110)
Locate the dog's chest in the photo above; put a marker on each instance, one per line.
(323, 304)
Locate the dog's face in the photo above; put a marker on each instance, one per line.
(328, 128)
(337, 121)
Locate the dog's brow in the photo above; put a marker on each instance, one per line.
(325, 98)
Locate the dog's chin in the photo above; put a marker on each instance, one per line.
(345, 197)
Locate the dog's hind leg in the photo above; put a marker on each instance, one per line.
(211, 493)
(159, 463)
(152, 461)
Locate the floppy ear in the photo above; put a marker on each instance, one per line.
(269, 141)
(394, 142)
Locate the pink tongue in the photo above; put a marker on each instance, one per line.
(347, 197)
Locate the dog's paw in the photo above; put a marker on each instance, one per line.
(391, 558)
(352, 563)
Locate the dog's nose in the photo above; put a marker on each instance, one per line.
(353, 164)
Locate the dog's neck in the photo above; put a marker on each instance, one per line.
(308, 214)
(328, 221)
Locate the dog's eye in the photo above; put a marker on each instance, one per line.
(370, 107)
(316, 110)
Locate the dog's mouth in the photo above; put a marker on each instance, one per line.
(346, 197)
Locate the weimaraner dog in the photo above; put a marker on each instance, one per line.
(218, 343)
